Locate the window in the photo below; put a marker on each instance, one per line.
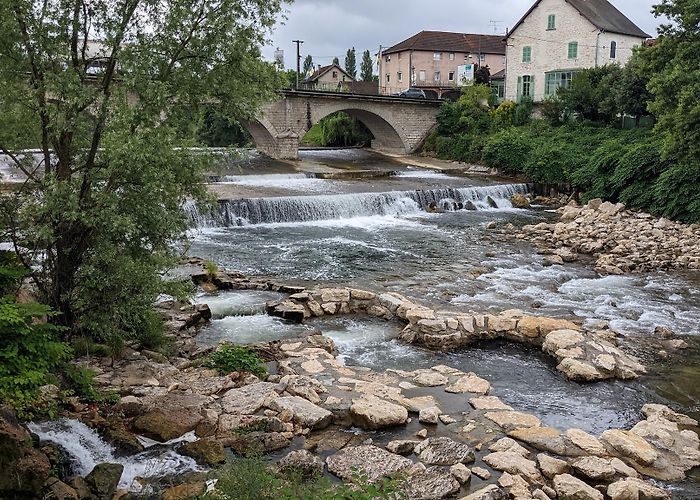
(526, 87)
(527, 54)
(452, 56)
(399, 56)
(437, 56)
(451, 76)
(436, 76)
(498, 88)
(421, 75)
(552, 22)
(573, 50)
(613, 50)
(399, 77)
(387, 58)
(482, 59)
(388, 78)
(557, 79)
(335, 75)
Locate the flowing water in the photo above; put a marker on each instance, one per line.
(85, 449)
(376, 234)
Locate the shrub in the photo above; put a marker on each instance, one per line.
(523, 112)
(552, 110)
(81, 382)
(676, 191)
(550, 162)
(636, 173)
(504, 114)
(30, 349)
(251, 479)
(232, 358)
(506, 151)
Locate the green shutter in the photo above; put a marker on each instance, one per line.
(532, 87)
(519, 92)
(552, 22)
(573, 50)
(527, 54)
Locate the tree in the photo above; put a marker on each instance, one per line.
(366, 67)
(674, 68)
(482, 75)
(308, 65)
(97, 221)
(351, 63)
(336, 61)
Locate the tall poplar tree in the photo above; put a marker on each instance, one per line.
(366, 67)
(351, 63)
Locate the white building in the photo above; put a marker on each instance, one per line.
(555, 38)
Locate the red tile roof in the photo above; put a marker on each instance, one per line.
(443, 41)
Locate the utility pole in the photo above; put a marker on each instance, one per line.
(298, 42)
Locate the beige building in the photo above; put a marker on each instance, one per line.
(430, 60)
(328, 78)
(555, 38)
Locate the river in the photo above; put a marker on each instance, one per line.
(373, 233)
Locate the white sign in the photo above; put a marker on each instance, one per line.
(465, 74)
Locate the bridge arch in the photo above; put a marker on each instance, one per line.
(398, 125)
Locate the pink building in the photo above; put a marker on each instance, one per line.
(431, 60)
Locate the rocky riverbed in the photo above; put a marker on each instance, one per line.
(439, 429)
(619, 240)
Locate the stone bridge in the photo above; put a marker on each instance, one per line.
(398, 125)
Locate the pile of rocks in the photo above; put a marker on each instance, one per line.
(582, 356)
(621, 240)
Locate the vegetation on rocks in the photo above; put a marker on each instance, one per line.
(230, 358)
(580, 140)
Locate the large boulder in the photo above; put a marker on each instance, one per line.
(368, 461)
(444, 451)
(104, 479)
(432, 484)
(207, 451)
(570, 488)
(23, 469)
(305, 413)
(636, 489)
(165, 426)
(514, 463)
(302, 462)
(371, 412)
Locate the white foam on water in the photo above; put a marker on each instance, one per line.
(294, 182)
(86, 449)
(237, 303)
(248, 330)
(422, 174)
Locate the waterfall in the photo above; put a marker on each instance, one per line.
(86, 450)
(346, 206)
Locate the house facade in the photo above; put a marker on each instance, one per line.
(556, 38)
(431, 60)
(329, 78)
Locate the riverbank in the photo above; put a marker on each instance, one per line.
(441, 430)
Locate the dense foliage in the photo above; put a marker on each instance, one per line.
(580, 141)
(96, 222)
(366, 67)
(30, 349)
(252, 479)
(338, 130)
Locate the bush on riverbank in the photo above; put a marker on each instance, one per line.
(596, 159)
(252, 479)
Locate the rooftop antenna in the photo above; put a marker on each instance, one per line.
(495, 25)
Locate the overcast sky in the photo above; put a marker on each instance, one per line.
(330, 27)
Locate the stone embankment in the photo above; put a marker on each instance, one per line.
(620, 240)
(581, 355)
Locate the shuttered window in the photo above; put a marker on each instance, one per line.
(573, 50)
(552, 22)
(527, 54)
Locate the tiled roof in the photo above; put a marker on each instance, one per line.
(364, 88)
(443, 41)
(601, 14)
(325, 69)
(500, 75)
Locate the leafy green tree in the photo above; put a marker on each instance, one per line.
(308, 65)
(674, 68)
(632, 97)
(351, 63)
(217, 130)
(97, 221)
(366, 67)
(336, 61)
(591, 94)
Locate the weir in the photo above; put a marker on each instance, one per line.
(345, 206)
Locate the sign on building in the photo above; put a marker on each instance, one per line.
(465, 74)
